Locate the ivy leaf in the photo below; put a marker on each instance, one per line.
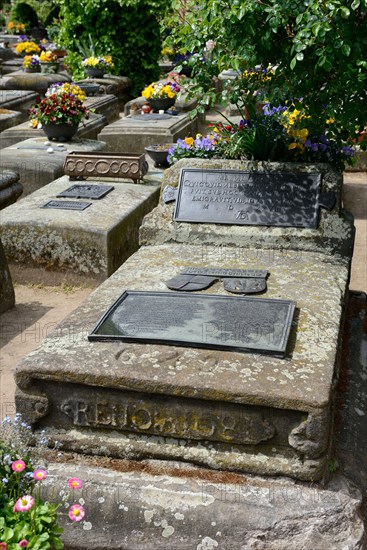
(355, 4)
(293, 63)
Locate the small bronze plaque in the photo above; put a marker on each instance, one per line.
(223, 272)
(190, 282)
(67, 205)
(248, 198)
(86, 191)
(244, 286)
(234, 323)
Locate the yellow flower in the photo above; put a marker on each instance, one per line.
(27, 47)
(330, 120)
(189, 141)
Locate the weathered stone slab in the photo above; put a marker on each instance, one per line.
(10, 188)
(37, 167)
(6, 53)
(93, 242)
(11, 65)
(132, 135)
(118, 86)
(89, 130)
(106, 105)
(17, 100)
(38, 82)
(189, 508)
(9, 118)
(229, 410)
(7, 296)
(334, 234)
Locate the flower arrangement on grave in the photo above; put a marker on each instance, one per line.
(26, 47)
(15, 28)
(26, 519)
(48, 57)
(63, 104)
(286, 133)
(31, 62)
(161, 90)
(198, 147)
(98, 62)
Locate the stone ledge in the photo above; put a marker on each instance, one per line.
(178, 506)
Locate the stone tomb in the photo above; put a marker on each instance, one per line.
(65, 242)
(38, 82)
(333, 234)
(37, 166)
(89, 130)
(18, 100)
(9, 118)
(10, 188)
(224, 409)
(106, 105)
(133, 134)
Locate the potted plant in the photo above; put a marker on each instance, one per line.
(60, 112)
(96, 67)
(161, 95)
(26, 47)
(49, 62)
(31, 64)
(13, 27)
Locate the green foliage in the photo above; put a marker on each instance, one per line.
(24, 13)
(125, 29)
(319, 50)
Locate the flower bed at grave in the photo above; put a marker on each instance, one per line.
(285, 133)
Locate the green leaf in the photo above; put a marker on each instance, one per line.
(299, 56)
(345, 12)
(355, 4)
(346, 49)
(293, 63)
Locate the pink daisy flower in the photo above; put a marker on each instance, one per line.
(23, 543)
(39, 474)
(18, 466)
(76, 512)
(75, 483)
(23, 504)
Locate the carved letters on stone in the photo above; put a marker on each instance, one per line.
(188, 421)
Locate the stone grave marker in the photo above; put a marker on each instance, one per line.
(66, 238)
(221, 408)
(17, 100)
(333, 235)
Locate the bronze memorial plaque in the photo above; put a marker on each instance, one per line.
(237, 197)
(207, 321)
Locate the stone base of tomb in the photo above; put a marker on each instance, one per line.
(152, 504)
(9, 118)
(7, 297)
(10, 188)
(223, 409)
